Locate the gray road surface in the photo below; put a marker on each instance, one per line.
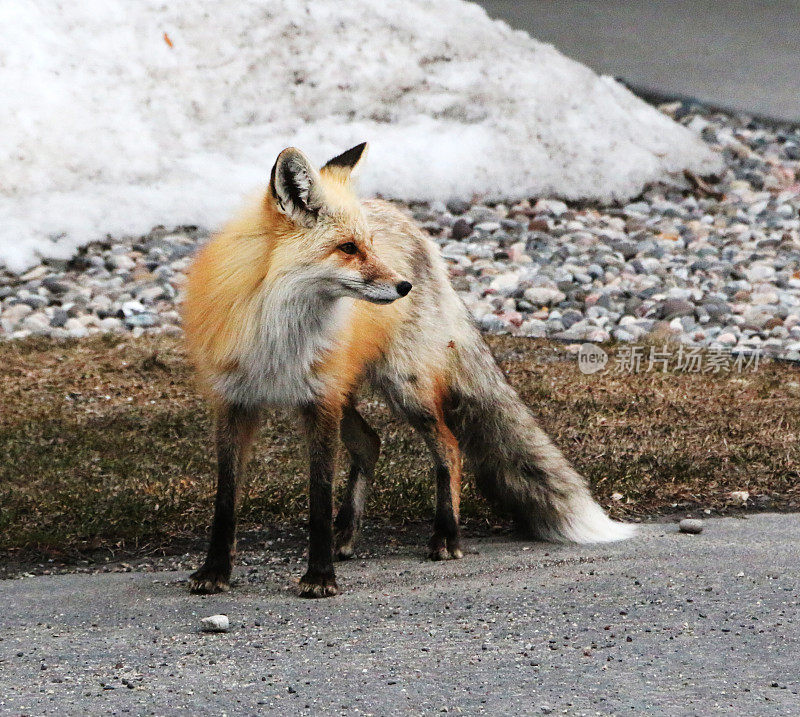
(667, 624)
(737, 54)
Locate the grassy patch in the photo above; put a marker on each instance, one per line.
(107, 443)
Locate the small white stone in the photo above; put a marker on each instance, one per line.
(133, 307)
(75, 328)
(111, 324)
(36, 323)
(215, 623)
(505, 283)
(150, 293)
(15, 313)
(543, 296)
(121, 262)
(37, 273)
(550, 206)
(691, 525)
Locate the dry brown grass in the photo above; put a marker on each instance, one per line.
(106, 443)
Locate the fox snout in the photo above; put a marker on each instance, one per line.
(380, 292)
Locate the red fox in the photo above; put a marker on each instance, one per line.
(312, 293)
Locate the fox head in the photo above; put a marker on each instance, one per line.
(321, 235)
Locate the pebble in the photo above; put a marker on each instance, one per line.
(543, 296)
(691, 525)
(461, 229)
(715, 270)
(215, 623)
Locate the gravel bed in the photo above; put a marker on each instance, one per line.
(711, 262)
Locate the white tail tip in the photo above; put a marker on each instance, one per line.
(586, 522)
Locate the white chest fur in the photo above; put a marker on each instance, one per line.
(294, 327)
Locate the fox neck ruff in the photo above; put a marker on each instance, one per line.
(295, 324)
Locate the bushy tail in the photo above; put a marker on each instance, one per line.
(516, 466)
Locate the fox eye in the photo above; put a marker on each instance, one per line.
(348, 248)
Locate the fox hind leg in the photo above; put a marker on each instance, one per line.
(364, 445)
(445, 542)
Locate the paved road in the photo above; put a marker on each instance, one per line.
(667, 624)
(737, 53)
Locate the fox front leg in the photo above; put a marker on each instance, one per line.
(322, 426)
(236, 426)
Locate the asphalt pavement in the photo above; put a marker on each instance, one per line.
(735, 54)
(665, 624)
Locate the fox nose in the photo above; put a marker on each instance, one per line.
(403, 288)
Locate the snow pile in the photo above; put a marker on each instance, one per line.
(118, 116)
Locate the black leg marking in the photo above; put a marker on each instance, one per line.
(364, 445)
(445, 543)
(236, 426)
(321, 427)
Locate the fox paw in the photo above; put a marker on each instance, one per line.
(343, 549)
(206, 581)
(318, 586)
(444, 549)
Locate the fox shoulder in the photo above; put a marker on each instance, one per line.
(221, 285)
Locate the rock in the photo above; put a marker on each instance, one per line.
(35, 301)
(111, 324)
(674, 308)
(628, 249)
(505, 284)
(150, 293)
(59, 318)
(595, 271)
(691, 525)
(570, 317)
(542, 296)
(35, 273)
(576, 332)
(121, 262)
(516, 252)
(215, 623)
(534, 328)
(550, 206)
(54, 286)
(133, 307)
(461, 229)
(760, 272)
(756, 319)
(458, 206)
(144, 321)
(15, 313)
(37, 323)
(75, 328)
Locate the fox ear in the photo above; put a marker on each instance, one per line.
(295, 186)
(342, 167)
